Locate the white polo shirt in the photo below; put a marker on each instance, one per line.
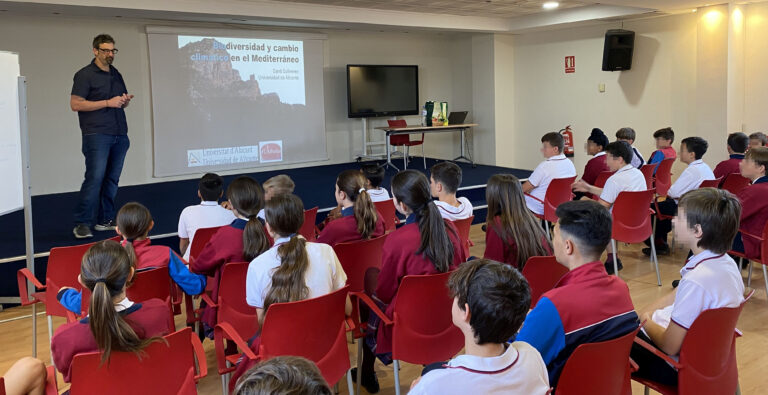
(626, 179)
(204, 215)
(378, 195)
(452, 213)
(696, 172)
(323, 275)
(520, 370)
(709, 281)
(557, 166)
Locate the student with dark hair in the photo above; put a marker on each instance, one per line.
(241, 241)
(27, 376)
(587, 305)
(757, 139)
(692, 149)
(512, 234)
(738, 143)
(626, 178)
(207, 214)
(490, 301)
(426, 244)
(754, 212)
(707, 221)
(284, 375)
(359, 218)
(374, 175)
(556, 165)
(444, 181)
(628, 135)
(114, 323)
(596, 143)
(664, 150)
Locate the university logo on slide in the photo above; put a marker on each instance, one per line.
(270, 151)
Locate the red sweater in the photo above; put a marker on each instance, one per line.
(149, 256)
(148, 319)
(728, 166)
(344, 230)
(594, 167)
(754, 215)
(499, 250)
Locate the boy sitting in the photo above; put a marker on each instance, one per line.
(207, 214)
(374, 174)
(555, 166)
(628, 135)
(706, 222)
(490, 300)
(444, 181)
(738, 143)
(757, 139)
(754, 211)
(664, 139)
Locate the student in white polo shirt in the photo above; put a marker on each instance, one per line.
(490, 301)
(556, 165)
(207, 214)
(692, 149)
(707, 221)
(444, 181)
(626, 178)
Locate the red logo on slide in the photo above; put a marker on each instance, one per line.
(271, 152)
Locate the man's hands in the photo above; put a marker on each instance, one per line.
(121, 101)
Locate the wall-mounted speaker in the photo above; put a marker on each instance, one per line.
(617, 51)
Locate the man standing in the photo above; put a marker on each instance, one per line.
(99, 96)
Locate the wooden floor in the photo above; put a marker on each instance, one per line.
(752, 348)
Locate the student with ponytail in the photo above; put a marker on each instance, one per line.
(426, 244)
(241, 241)
(512, 234)
(114, 323)
(359, 218)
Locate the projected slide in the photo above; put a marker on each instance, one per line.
(235, 103)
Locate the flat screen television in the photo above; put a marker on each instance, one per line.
(382, 90)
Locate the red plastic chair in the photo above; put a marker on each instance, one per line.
(463, 226)
(233, 310)
(648, 174)
(405, 141)
(152, 284)
(763, 258)
(308, 227)
(161, 369)
(51, 387)
(600, 181)
(542, 273)
(202, 236)
(735, 183)
(711, 183)
(599, 368)
(707, 362)
(423, 331)
(558, 192)
(387, 210)
(632, 224)
(663, 176)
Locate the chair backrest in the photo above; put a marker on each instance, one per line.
(398, 139)
(308, 228)
(150, 284)
(735, 183)
(423, 330)
(709, 353)
(463, 226)
(648, 174)
(62, 271)
(631, 220)
(387, 210)
(232, 305)
(314, 329)
(542, 273)
(663, 176)
(711, 183)
(357, 257)
(602, 178)
(160, 369)
(598, 368)
(200, 239)
(558, 192)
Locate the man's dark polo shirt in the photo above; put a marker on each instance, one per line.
(94, 84)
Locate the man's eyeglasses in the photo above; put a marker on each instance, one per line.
(112, 51)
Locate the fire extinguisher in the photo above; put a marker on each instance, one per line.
(568, 140)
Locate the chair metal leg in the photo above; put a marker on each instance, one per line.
(424, 158)
(615, 260)
(224, 384)
(655, 259)
(359, 364)
(350, 386)
(397, 376)
(336, 388)
(749, 274)
(50, 336)
(546, 225)
(405, 156)
(34, 330)
(647, 391)
(765, 277)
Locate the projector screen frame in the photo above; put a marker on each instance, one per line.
(373, 114)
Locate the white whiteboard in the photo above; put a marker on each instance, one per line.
(11, 195)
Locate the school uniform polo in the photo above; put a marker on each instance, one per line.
(696, 172)
(626, 179)
(519, 370)
(344, 229)
(452, 213)
(557, 166)
(378, 194)
(587, 305)
(594, 167)
(754, 214)
(728, 166)
(207, 214)
(323, 275)
(399, 259)
(147, 319)
(637, 158)
(500, 250)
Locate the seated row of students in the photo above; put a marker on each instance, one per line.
(754, 212)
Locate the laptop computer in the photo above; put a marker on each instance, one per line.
(457, 117)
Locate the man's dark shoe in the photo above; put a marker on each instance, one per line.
(675, 283)
(661, 249)
(609, 265)
(82, 231)
(369, 381)
(104, 226)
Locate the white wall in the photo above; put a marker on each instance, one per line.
(756, 79)
(52, 49)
